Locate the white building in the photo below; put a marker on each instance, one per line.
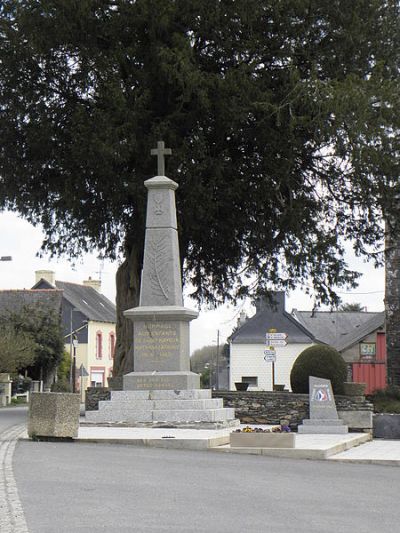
(247, 345)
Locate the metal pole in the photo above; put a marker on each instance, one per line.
(217, 377)
(74, 371)
(273, 375)
(70, 351)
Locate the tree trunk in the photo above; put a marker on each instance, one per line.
(128, 290)
(392, 307)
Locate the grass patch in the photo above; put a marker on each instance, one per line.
(18, 401)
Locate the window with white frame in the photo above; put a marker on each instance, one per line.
(97, 378)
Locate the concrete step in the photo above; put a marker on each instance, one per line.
(323, 422)
(143, 405)
(209, 415)
(190, 394)
(130, 415)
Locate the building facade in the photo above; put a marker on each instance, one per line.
(358, 336)
(248, 344)
(89, 320)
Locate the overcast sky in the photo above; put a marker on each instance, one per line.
(22, 241)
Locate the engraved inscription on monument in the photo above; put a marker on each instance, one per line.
(154, 383)
(157, 340)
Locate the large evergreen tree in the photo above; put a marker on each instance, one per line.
(282, 116)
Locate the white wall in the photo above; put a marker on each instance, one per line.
(248, 360)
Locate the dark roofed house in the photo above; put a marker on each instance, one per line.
(358, 336)
(13, 300)
(91, 318)
(247, 345)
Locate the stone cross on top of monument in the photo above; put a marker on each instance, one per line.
(160, 152)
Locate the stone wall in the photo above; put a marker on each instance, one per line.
(94, 395)
(272, 407)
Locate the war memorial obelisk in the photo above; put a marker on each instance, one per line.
(162, 389)
(161, 323)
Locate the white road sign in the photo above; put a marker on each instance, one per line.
(269, 356)
(276, 342)
(276, 336)
(268, 351)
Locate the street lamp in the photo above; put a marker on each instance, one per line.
(72, 348)
(75, 345)
(208, 366)
(217, 369)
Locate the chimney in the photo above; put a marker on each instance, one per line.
(242, 319)
(94, 283)
(47, 275)
(277, 302)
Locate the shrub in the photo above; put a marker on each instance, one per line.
(322, 362)
(386, 400)
(62, 385)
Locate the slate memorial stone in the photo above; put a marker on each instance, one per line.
(323, 414)
(322, 402)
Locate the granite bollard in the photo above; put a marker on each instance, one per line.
(54, 415)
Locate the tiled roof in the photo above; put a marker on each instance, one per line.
(94, 305)
(15, 299)
(91, 303)
(340, 329)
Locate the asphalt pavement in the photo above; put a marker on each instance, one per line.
(52, 487)
(71, 487)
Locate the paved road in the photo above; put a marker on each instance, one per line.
(114, 488)
(71, 487)
(9, 416)
(12, 423)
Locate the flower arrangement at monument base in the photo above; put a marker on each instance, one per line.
(275, 437)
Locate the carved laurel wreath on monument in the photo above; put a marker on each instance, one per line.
(158, 259)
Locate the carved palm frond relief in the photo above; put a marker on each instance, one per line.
(158, 259)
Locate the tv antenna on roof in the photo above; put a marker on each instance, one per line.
(101, 269)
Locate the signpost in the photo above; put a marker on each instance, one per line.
(276, 342)
(273, 338)
(83, 374)
(269, 356)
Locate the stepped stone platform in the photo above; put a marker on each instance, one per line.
(178, 408)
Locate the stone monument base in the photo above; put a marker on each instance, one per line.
(156, 408)
(326, 426)
(178, 380)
